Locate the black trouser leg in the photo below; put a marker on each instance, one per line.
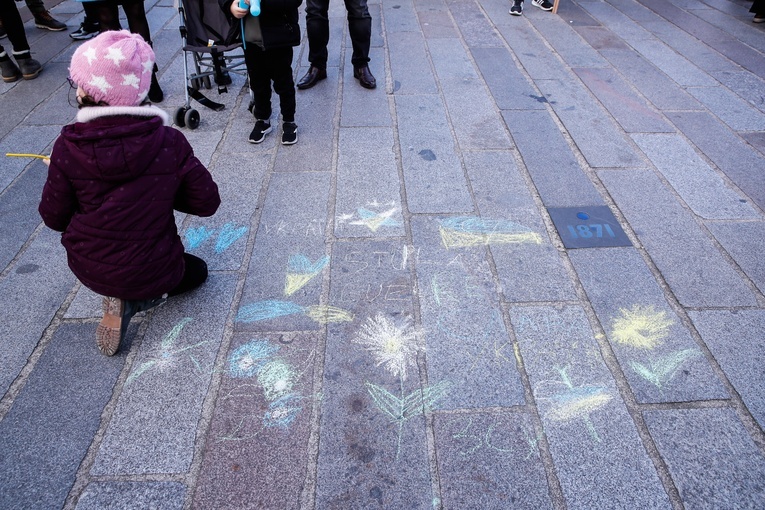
(194, 275)
(14, 26)
(317, 27)
(360, 30)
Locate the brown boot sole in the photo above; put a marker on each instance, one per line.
(109, 330)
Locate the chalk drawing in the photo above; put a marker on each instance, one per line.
(400, 409)
(272, 308)
(641, 327)
(373, 220)
(275, 378)
(662, 370)
(576, 402)
(301, 271)
(196, 236)
(481, 439)
(393, 347)
(466, 231)
(227, 236)
(166, 355)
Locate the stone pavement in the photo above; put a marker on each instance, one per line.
(525, 271)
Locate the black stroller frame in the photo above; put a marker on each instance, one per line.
(206, 34)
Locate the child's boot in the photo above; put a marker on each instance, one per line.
(28, 66)
(110, 331)
(9, 70)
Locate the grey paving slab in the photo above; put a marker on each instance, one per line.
(399, 18)
(433, 175)
(365, 107)
(530, 49)
(27, 140)
(566, 41)
(372, 447)
(502, 194)
(557, 175)
(600, 38)
(489, 460)
(745, 32)
(586, 424)
(741, 241)
(475, 28)
(507, 85)
(368, 198)
(475, 122)
(435, 21)
(735, 339)
(730, 108)
(619, 23)
(744, 84)
(744, 166)
(46, 434)
(476, 358)
(702, 55)
(410, 69)
(594, 132)
(657, 354)
(154, 424)
(656, 86)
(700, 186)
(255, 454)
(133, 496)
(631, 111)
(731, 47)
(32, 292)
(693, 267)
(756, 140)
(289, 256)
(711, 458)
(221, 239)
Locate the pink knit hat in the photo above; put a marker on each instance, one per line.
(114, 67)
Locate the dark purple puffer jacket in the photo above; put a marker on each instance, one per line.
(112, 186)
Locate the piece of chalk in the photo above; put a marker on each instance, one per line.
(13, 155)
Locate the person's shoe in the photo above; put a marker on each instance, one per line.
(9, 70)
(155, 94)
(313, 76)
(45, 20)
(517, 8)
(758, 18)
(259, 132)
(28, 66)
(111, 330)
(3, 33)
(364, 75)
(86, 31)
(543, 4)
(289, 133)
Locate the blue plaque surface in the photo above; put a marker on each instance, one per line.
(590, 226)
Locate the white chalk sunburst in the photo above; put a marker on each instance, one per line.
(393, 347)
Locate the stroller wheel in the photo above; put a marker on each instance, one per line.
(180, 116)
(206, 82)
(196, 83)
(192, 119)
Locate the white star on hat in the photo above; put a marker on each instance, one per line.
(131, 79)
(115, 55)
(100, 83)
(148, 66)
(90, 54)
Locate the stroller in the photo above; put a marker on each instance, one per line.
(208, 35)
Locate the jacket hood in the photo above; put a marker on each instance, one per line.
(115, 143)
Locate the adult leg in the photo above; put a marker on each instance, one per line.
(136, 18)
(107, 14)
(14, 25)
(90, 27)
(360, 30)
(25, 65)
(317, 28)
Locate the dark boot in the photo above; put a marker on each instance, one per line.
(28, 66)
(9, 69)
(155, 94)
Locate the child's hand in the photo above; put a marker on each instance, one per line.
(46, 161)
(239, 12)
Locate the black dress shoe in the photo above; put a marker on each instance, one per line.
(364, 75)
(310, 78)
